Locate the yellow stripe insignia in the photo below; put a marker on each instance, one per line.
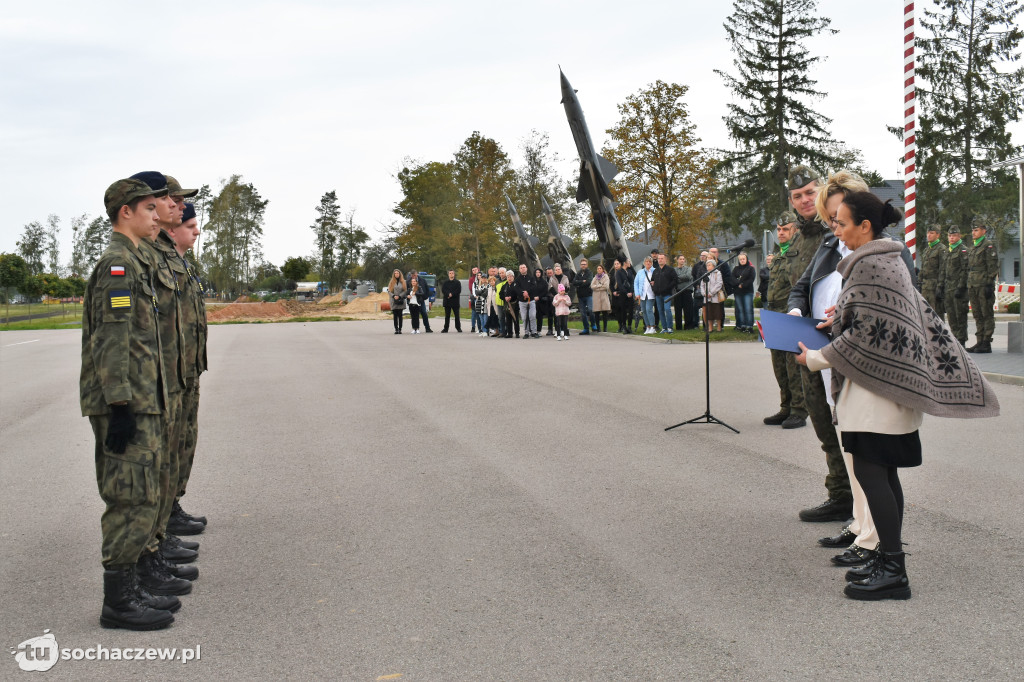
(121, 299)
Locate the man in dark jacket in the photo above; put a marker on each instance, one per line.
(585, 297)
(451, 292)
(526, 292)
(664, 285)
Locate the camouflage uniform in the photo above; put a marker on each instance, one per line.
(787, 371)
(122, 361)
(955, 290)
(932, 265)
(193, 319)
(160, 253)
(983, 269)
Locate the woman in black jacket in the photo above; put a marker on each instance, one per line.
(622, 294)
(743, 295)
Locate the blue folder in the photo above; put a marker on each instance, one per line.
(780, 331)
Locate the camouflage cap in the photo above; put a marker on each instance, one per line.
(175, 190)
(800, 176)
(123, 192)
(934, 228)
(953, 229)
(156, 181)
(786, 217)
(978, 223)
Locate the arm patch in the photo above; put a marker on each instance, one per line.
(120, 299)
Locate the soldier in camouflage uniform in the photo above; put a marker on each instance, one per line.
(193, 312)
(787, 371)
(803, 191)
(122, 392)
(932, 264)
(955, 285)
(983, 270)
(160, 566)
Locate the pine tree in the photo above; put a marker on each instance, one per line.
(325, 227)
(968, 98)
(32, 246)
(771, 121)
(665, 180)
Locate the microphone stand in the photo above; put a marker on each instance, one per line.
(707, 417)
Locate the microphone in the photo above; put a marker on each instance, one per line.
(739, 247)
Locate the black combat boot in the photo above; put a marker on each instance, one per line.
(180, 525)
(888, 580)
(190, 517)
(176, 554)
(864, 570)
(178, 570)
(777, 418)
(794, 421)
(157, 579)
(121, 605)
(187, 544)
(984, 347)
(829, 510)
(153, 601)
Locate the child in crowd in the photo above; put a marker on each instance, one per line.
(561, 301)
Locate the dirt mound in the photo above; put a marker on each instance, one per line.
(367, 304)
(244, 299)
(249, 311)
(333, 298)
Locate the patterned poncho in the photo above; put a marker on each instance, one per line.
(887, 339)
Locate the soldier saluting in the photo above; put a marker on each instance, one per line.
(122, 392)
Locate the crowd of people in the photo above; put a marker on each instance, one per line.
(891, 359)
(516, 303)
(143, 351)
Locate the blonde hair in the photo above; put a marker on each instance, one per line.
(844, 181)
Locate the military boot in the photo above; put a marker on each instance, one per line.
(157, 579)
(829, 510)
(177, 509)
(974, 349)
(984, 347)
(121, 605)
(777, 418)
(153, 601)
(180, 525)
(794, 421)
(888, 580)
(176, 554)
(178, 570)
(178, 542)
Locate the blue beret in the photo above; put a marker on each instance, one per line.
(189, 213)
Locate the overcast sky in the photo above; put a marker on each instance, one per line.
(304, 97)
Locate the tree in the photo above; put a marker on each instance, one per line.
(296, 268)
(201, 202)
(13, 273)
(351, 239)
(431, 234)
(666, 182)
(32, 246)
(53, 244)
(968, 98)
(325, 227)
(235, 231)
(538, 177)
(80, 264)
(483, 175)
(380, 261)
(772, 124)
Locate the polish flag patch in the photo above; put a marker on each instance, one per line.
(117, 270)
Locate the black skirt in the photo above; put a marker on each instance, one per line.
(900, 450)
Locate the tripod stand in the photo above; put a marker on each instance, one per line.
(707, 417)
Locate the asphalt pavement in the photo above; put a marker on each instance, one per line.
(446, 506)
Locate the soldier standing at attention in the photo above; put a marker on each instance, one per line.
(955, 285)
(933, 261)
(122, 392)
(159, 568)
(803, 192)
(983, 270)
(193, 315)
(792, 413)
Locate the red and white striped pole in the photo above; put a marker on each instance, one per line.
(909, 131)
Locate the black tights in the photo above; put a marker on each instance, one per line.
(601, 318)
(397, 317)
(882, 488)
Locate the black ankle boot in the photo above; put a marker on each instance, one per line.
(157, 579)
(121, 605)
(178, 510)
(888, 579)
(154, 601)
(864, 570)
(178, 569)
(179, 524)
(174, 553)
